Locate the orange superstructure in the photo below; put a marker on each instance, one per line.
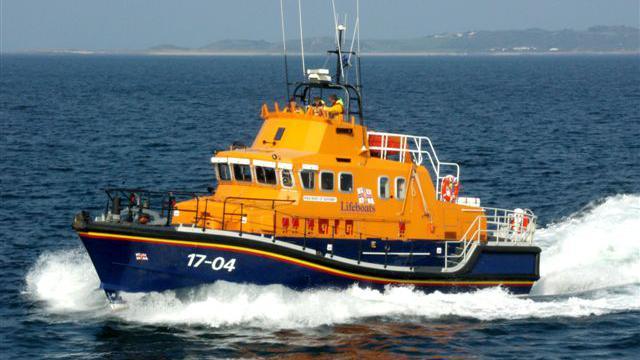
(308, 175)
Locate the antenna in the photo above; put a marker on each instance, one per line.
(304, 70)
(353, 39)
(339, 30)
(357, 32)
(284, 49)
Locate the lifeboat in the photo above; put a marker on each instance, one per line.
(317, 200)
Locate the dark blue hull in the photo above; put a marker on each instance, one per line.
(139, 261)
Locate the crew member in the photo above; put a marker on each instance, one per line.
(317, 105)
(336, 108)
(292, 106)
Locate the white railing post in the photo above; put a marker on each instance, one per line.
(446, 254)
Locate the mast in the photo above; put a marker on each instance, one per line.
(284, 49)
(357, 34)
(339, 64)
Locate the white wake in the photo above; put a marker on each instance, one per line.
(594, 249)
(590, 266)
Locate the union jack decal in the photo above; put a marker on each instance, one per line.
(142, 257)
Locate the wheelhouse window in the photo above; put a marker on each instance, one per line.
(326, 181)
(224, 173)
(242, 172)
(346, 182)
(383, 187)
(307, 178)
(286, 178)
(266, 175)
(401, 188)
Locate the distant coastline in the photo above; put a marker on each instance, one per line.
(596, 40)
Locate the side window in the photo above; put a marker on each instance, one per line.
(286, 178)
(401, 188)
(307, 178)
(383, 187)
(242, 172)
(266, 175)
(224, 173)
(346, 182)
(326, 181)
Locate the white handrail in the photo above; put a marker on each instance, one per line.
(417, 147)
(501, 227)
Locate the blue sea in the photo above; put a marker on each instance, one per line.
(557, 134)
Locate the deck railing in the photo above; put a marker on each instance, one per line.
(499, 226)
(402, 147)
(132, 204)
(242, 215)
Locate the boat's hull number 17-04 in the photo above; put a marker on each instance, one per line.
(218, 263)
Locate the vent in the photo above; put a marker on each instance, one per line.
(348, 131)
(343, 160)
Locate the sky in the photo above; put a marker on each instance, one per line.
(139, 24)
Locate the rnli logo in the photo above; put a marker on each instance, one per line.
(365, 196)
(365, 202)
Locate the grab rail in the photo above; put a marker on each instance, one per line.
(273, 207)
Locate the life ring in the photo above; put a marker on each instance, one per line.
(144, 218)
(449, 188)
(519, 221)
